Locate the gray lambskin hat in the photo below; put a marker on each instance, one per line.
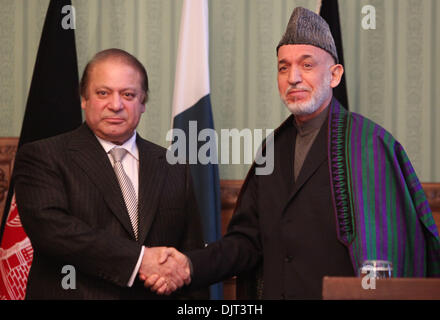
(306, 27)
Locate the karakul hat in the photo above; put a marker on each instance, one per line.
(306, 27)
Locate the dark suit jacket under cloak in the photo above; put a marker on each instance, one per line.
(283, 222)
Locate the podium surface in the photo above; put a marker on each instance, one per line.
(350, 288)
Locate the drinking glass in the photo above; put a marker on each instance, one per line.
(378, 269)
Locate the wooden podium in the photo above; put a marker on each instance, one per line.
(347, 288)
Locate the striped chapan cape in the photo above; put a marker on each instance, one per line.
(381, 209)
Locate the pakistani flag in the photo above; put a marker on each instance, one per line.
(192, 114)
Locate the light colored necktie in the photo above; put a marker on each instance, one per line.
(127, 188)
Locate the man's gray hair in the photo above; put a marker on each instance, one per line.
(114, 54)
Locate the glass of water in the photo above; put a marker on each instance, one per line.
(378, 269)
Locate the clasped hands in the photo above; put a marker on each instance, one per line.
(164, 270)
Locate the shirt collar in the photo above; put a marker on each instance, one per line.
(129, 145)
(313, 124)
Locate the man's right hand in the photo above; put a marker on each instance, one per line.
(164, 270)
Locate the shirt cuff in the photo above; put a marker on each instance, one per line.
(136, 268)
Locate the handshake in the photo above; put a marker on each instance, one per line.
(164, 270)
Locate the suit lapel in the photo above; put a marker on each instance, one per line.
(88, 154)
(314, 159)
(281, 180)
(285, 151)
(152, 174)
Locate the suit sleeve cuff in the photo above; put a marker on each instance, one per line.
(136, 268)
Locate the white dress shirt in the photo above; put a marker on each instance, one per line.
(130, 163)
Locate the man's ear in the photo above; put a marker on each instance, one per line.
(337, 71)
(83, 103)
(144, 98)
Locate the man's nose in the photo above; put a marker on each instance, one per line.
(116, 102)
(294, 76)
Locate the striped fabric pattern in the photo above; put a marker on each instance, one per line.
(381, 209)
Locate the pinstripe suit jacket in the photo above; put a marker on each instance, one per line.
(73, 211)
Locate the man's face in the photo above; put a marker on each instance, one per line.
(113, 103)
(306, 76)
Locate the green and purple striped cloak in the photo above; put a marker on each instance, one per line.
(381, 209)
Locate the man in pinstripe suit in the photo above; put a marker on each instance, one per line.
(78, 211)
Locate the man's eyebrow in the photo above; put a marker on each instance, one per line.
(303, 57)
(123, 89)
(103, 87)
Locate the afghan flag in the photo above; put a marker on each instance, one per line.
(192, 113)
(329, 11)
(53, 107)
